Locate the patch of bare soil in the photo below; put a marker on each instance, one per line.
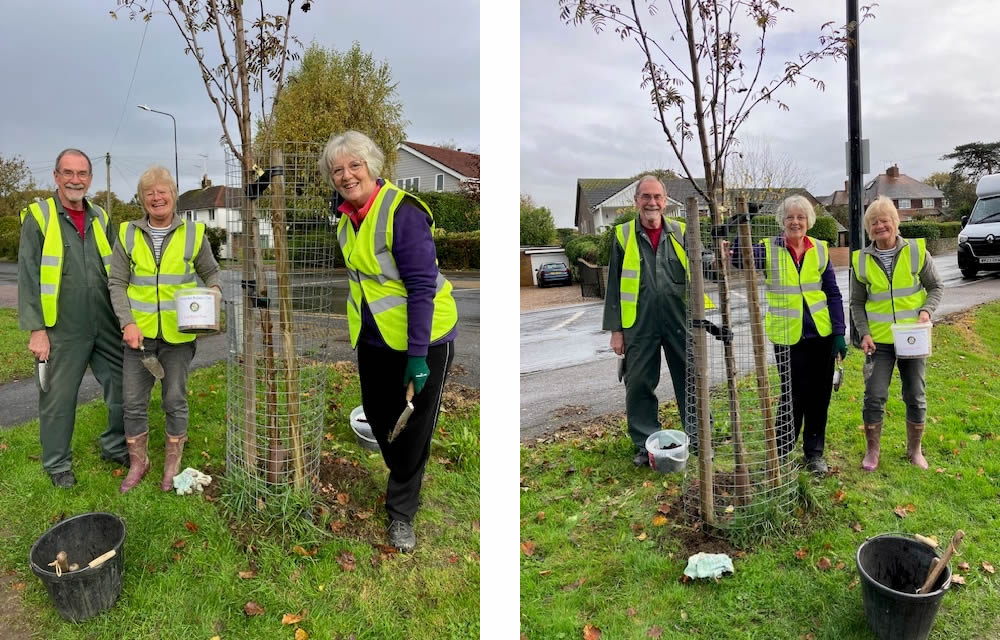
(594, 428)
(535, 298)
(13, 625)
(458, 398)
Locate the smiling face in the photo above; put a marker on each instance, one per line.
(158, 201)
(352, 180)
(650, 201)
(796, 224)
(72, 178)
(883, 231)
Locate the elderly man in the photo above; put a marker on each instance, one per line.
(63, 301)
(645, 309)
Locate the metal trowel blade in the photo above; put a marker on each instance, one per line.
(152, 364)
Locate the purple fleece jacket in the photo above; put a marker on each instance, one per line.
(834, 301)
(416, 258)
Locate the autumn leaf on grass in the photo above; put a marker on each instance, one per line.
(853, 584)
(957, 579)
(631, 612)
(346, 561)
(190, 526)
(298, 549)
(642, 536)
(540, 516)
(293, 618)
(590, 632)
(528, 548)
(654, 632)
(178, 544)
(337, 525)
(117, 472)
(801, 553)
(823, 564)
(363, 515)
(17, 586)
(838, 496)
(247, 575)
(300, 634)
(989, 568)
(253, 609)
(343, 498)
(840, 565)
(963, 567)
(659, 521)
(856, 526)
(900, 511)
(663, 508)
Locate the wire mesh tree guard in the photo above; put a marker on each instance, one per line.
(280, 232)
(738, 391)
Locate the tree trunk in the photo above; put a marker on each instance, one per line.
(702, 381)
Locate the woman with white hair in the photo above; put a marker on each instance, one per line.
(805, 321)
(401, 315)
(894, 282)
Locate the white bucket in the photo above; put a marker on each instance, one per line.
(198, 310)
(912, 340)
(668, 450)
(362, 430)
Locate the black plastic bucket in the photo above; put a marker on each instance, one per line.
(84, 593)
(892, 568)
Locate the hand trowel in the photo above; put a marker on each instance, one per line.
(152, 363)
(405, 416)
(43, 374)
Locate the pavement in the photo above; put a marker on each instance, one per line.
(568, 372)
(20, 399)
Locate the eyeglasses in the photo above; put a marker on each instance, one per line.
(354, 166)
(66, 173)
(646, 197)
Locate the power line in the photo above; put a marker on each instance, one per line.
(129, 93)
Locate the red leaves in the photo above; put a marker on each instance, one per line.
(528, 548)
(192, 527)
(838, 496)
(590, 632)
(824, 564)
(253, 609)
(802, 553)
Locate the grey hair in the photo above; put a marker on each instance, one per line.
(795, 202)
(75, 152)
(153, 176)
(647, 178)
(881, 206)
(353, 143)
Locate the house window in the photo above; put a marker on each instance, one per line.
(211, 215)
(189, 215)
(439, 182)
(409, 184)
(928, 203)
(904, 203)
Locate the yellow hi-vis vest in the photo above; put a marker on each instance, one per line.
(152, 287)
(50, 277)
(373, 276)
(788, 288)
(897, 299)
(628, 288)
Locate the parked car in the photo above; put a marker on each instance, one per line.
(554, 273)
(979, 240)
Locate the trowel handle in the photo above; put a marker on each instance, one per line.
(936, 569)
(409, 392)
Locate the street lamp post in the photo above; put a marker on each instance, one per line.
(177, 174)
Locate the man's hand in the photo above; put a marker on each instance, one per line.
(868, 345)
(132, 335)
(618, 342)
(924, 316)
(38, 344)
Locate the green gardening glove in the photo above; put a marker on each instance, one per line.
(416, 372)
(840, 346)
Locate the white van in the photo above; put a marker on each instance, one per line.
(979, 240)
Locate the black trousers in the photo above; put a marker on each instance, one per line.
(806, 374)
(384, 397)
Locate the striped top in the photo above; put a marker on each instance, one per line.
(886, 256)
(156, 235)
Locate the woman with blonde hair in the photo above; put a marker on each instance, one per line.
(894, 283)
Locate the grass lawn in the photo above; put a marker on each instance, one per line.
(599, 560)
(184, 556)
(16, 362)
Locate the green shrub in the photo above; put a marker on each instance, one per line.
(949, 229)
(10, 236)
(764, 226)
(606, 238)
(452, 211)
(315, 249)
(216, 237)
(586, 247)
(457, 250)
(825, 229)
(566, 234)
(919, 229)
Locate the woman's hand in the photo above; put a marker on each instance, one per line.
(416, 372)
(868, 345)
(924, 316)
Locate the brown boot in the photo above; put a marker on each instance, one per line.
(873, 438)
(175, 447)
(138, 461)
(914, 434)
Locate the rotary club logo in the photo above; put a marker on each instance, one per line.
(194, 307)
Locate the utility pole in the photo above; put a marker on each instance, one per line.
(854, 137)
(107, 196)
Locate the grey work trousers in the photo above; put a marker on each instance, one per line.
(642, 375)
(137, 384)
(911, 376)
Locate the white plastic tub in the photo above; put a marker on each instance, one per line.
(912, 340)
(198, 310)
(668, 450)
(362, 430)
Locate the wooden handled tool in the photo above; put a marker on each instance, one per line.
(405, 416)
(937, 568)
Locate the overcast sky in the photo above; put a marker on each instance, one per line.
(67, 68)
(927, 85)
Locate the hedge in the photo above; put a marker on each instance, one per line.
(825, 229)
(949, 229)
(915, 229)
(586, 247)
(452, 211)
(10, 236)
(457, 250)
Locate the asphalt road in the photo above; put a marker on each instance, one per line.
(568, 371)
(20, 399)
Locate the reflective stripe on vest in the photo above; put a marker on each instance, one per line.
(788, 289)
(152, 287)
(628, 286)
(46, 216)
(896, 300)
(373, 276)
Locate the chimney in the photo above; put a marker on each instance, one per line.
(893, 171)
(205, 182)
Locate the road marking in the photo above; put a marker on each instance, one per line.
(567, 321)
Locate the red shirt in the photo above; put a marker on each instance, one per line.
(654, 235)
(77, 217)
(357, 215)
(797, 257)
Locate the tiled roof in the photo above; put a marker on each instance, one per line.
(594, 191)
(461, 162)
(902, 186)
(210, 198)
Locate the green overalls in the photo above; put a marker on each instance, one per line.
(86, 332)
